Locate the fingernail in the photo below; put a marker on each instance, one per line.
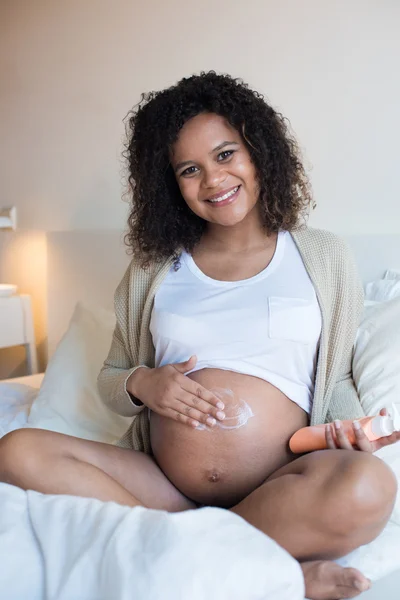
(220, 415)
(211, 421)
(362, 585)
(195, 423)
(220, 405)
(356, 425)
(337, 424)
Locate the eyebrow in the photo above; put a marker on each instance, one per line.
(219, 147)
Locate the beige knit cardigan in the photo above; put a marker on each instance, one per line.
(331, 268)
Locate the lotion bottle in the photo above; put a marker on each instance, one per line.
(312, 437)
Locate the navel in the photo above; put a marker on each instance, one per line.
(213, 476)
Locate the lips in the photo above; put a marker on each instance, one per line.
(225, 199)
(222, 193)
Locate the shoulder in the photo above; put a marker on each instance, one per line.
(331, 261)
(323, 245)
(138, 278)
(319, 238)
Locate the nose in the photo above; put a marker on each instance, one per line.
(213, 176)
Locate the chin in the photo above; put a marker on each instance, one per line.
(231, 220)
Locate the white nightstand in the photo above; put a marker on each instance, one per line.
(16, 327)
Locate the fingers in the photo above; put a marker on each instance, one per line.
(196, 395)
(203, 396)
(187, 365)
(195, 415)
(187, 415)
(176, 415)
(342, 441)
(202, 407)
(336, 437)
(362, 441)
(185, 409)
(330, 442)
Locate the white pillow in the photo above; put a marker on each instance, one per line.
(392, 274)
(376, 361)
(382, 290)
(68, 400)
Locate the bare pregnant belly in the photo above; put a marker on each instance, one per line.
(221, 465)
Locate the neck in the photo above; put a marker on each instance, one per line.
(247, 236)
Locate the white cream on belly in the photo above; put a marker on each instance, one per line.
(237, 411)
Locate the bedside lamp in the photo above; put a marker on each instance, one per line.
(8, 221)
(8, 218)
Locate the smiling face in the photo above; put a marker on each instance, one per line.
(214, 171)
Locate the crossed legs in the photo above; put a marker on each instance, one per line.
(320, 506)
(324, 504)
(52, 463)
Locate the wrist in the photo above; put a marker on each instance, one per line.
(133, 384)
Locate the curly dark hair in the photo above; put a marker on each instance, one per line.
(160, 222)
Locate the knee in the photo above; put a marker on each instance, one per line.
(371, 484)
(19, 454)
(360, 491)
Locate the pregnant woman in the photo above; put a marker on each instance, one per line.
(235, 328)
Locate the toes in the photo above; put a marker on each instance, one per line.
(326, 580)
(352, 582)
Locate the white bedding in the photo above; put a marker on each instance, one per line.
(90, 550)
(69, 543)
(16, 397)
(79, 549)
(34, 381)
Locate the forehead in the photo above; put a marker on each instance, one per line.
(204, 131)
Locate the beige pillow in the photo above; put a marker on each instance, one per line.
(376, 361)
(68, 400)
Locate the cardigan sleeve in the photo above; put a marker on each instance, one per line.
(345, 402)
(120, 363)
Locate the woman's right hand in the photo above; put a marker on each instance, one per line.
(170, 393)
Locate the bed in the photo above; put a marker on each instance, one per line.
(85, 267)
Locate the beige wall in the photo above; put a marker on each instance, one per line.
(71, 69)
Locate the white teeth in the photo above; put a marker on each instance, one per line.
(225, 196)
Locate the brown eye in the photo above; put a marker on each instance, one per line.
(226, 154)
(188, 171)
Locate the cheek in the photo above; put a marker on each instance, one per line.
(189, 189)
(245, 169)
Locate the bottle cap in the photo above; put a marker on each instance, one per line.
(382, 425)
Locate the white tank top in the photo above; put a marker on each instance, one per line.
(267, 326)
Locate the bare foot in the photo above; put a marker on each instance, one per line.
(326, 580)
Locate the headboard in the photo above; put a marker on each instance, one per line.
(88, 265)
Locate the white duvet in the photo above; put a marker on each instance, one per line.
(70, 548)
(15, 403)
(67, 548)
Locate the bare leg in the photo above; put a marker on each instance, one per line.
(53, 463)
(322, 506)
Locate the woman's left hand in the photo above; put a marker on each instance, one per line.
(363, 443)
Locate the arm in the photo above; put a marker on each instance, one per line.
(345, 401)
(119, 366)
